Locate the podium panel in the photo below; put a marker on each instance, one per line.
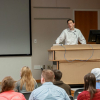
(74, 72)
(75, 61)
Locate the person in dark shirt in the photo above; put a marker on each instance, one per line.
(58, 82)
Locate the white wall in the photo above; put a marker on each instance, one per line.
(45, 31)
(11, 66)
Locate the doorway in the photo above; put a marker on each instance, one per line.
(86, 21)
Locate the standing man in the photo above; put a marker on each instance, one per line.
(71, 35)
(48, 91)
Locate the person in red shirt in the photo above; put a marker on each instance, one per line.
(7, 92)
(90, 92)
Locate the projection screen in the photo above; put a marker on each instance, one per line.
(15, 28)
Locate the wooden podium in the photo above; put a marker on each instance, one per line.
(75, 61)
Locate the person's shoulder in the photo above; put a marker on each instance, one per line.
(67, 86)
(83, 94)
(76, 29)
(39, 88)
(65, 30)
(58, 88)
(98, 91)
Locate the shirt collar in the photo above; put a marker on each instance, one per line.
(57, 82)
(71, 30)
(48, 83)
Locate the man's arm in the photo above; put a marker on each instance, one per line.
(66, 97)
(60, 38)
(32, 96)
(81, 38)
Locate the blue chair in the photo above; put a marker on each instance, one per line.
(71, 97)
(76, 93)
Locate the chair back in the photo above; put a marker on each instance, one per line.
(71, 97)
(26, 95)
(77, 92)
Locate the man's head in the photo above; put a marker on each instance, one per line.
(47, 76)
(71, 24)
(58, 75)
(96, 72)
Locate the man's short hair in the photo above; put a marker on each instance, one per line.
(48, 75)
(58, 75)
(70, 20)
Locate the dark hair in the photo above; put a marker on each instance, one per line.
(90, 84)
(70, 20)
(58, 75)
(48, 75)
(7, 84)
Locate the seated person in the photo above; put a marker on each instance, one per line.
(96, 72)
(58, 82)
(7, 92)
(90, 92)
(48, 91)
(27, 82)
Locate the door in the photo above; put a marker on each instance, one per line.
(86, 21)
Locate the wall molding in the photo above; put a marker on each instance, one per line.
(52, 7)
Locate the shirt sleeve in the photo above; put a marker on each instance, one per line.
(60, 38)
(23, 98)
(66, 97)
(81, 38)
(81, 96)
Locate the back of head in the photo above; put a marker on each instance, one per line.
(96, 72)
(90, 84)
(58, 75)
(7, 84)
(26, 72)
(27, 79)
(48, 75)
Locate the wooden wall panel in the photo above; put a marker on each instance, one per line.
(86, 20)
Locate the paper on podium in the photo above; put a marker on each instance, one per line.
(57, 44)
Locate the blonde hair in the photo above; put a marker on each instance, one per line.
(27, 79)
(7, 84)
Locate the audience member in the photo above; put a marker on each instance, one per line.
(96, 72)
(7, 92)
(48, 91)
(27, 82)
(58, 82)
(90, 92)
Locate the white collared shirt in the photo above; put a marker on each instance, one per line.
(71, 37)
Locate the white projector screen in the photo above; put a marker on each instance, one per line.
(15, 27)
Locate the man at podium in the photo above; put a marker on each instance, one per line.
(71, 35)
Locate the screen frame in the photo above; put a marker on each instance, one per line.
(30, 32)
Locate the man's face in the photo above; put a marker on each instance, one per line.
(71, 25)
